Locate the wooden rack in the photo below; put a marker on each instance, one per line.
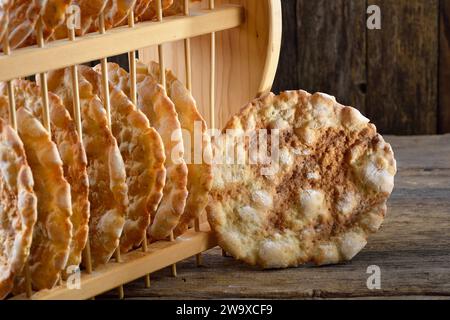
(44, 57)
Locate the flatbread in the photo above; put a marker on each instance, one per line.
(116, 13)
(143, 153)
(73, 156)
(18, 212)
(90, 11)
(107, 180)
(159, 109)
(199, 170)
(323, 197)
(53, 16)
(4, 9)
(140, 8)
(53, 230)
(151, 12)
(23, 15)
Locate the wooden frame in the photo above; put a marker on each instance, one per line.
(72, 51)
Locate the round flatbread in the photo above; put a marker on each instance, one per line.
(116, 13)
(108, 192)
(197, 153)
(90, 11)
(143, 154)
(140, 8)
(4, 9)
(23, 15)
(18, 207)
(73, 156)
(313, 191)
(151, 12)
(160, 110)
(53, 230)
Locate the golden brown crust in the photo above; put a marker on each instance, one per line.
(116, 13)
(199, 156)
(324, 194)
(90, 11)
(159, 109)
(19, 203)
(53, 230)
(23, 15)
(143, 153)
(140, 8)
(108, 190)
(4, 10)
(151, 12)
(73, 156)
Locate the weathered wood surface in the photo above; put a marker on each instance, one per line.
(391, 74)
(412, 249)
(444, 67)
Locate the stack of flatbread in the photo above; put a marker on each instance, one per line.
(121, 183)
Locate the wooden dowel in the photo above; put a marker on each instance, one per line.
(10, 87)
(162, 64)
(28, 286)
(43, 78)
(107, 104)
(132, 63)
(174, 266)
(212, 100)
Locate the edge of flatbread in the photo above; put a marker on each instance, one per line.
(18, 218)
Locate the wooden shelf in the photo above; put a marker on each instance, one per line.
(63, 53)
(134, 265)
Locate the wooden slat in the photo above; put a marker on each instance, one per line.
(63, 53)
(331, 46)
(412, 248)
(444, 68)
(133, 266)
(403, 67)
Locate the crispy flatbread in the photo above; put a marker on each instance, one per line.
(53, 16)
(4, 9)
(53, 230)
(159, 109)
(73, 156)
(143, 153)
(116, 13)
(23, 15)
(198, 153)
(19, 207)
(151, 12)
(316, 197)
(140, 8)
(107, 180)
(90, 11)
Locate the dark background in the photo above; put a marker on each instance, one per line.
(398, 76)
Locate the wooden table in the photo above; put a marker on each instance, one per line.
(412, 249)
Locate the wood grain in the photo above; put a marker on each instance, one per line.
(412, 248)
(331, 46)
(403, 67)
(444, 67)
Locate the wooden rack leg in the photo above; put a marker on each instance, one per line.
(107, 103)
(187, 59)
(213, 74)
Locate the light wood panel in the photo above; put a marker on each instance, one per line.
(246, 58)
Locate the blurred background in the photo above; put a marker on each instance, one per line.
(398, 76)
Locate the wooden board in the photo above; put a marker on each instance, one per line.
(331, 49)
(412, 249)
(444, 67)
(403, 67)
(246, 58)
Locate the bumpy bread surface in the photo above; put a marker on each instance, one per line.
(53, 16)
(152, 10)
(198, 157)
(143, 154)
(23, 15)
(108, 192)
(53, 229)
(90, 11)
(19, 206)
(140, 8)
(116, 12)
(160, 110)
(73, 156)
(319, 204)
(4, 10)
